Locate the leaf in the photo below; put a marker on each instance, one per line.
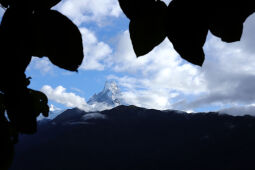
(30, 4)
(44, 4)
(23, 106)
(226, 18)
(15, 44)
(187, 29)
(40, 102)
(148, 31)
(20, 110)
(135, 8)
(5, 3)
(59, 39)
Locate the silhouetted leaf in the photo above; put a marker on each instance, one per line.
(187, 29)
(15, 47)
(226, 18)
(30, 5)
(227, 28)
(135, 8)
(45, 4)
(40, 102)
(21, 111)
(5, 3)
(15, 50)
(148, 30)
(58, 39)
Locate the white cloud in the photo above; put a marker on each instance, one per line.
(81, 11)
(239, 110)
(69, 99)
(96, 106)
(229, 75)
(95, 52)
(156, 79)
(99, 11)
(54, 108)
(76, 90)
(41, 64)
(161, 79)
(248, 37)
(93, 116)
(146, 98)
(162, 67)
(60, 95)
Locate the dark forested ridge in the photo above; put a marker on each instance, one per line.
(129, 137)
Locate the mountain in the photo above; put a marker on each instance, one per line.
(109, 95)
(108, 98)
(134, 138)
(69, 115)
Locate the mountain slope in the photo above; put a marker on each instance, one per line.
(129, 137)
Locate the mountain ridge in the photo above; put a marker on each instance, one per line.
(131, 137)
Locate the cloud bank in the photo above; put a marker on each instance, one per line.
(95, 51)
(161, 79)
(81, 11)
(69, 99)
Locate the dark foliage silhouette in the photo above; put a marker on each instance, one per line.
(30, 28)
(184, 23)
(129, 137)
(150, 26)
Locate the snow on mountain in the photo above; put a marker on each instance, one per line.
(108, 96)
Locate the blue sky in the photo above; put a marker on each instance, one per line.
(160, 79)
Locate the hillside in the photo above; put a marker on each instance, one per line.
(129, 137)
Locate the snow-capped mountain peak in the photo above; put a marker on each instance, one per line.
(111, 86)
(109, 95)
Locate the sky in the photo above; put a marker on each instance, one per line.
(160, 79)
